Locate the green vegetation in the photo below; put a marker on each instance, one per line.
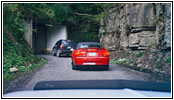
(169, 60)
(120, 61)
(17, 55)
(9, 76)
(101, 33)
(84, 23)
(128, 27)
(140, 54)
(16, 52)
(81, 19)
(150, 46)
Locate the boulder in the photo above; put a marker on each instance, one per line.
(23, 66)
(14, 69)
(122, 59)
(139, 65)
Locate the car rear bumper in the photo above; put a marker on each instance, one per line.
(92, 67)
(91, 61)
(65, 51)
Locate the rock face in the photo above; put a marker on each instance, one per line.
(137, 26)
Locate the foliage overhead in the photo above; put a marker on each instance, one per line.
(82, 19)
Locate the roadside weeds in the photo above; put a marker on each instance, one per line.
(21, 76)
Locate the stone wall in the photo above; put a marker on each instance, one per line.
(136, 26)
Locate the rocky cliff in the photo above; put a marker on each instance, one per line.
(139, 36)
(137, 26)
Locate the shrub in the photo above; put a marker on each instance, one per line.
(120, 61)
(140, 54)
(169, 60)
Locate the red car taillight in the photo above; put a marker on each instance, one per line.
(76, 53)
(79, 54)
(106, 54)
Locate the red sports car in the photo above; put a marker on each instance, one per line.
(90, 54)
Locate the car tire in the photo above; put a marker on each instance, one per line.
(54, 52)
(58, 53)
(106, 67)
(73, 66)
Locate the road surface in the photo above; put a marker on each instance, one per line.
(61, 69)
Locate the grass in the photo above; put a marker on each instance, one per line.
(118, 61)
(16, 54)
(9, 76)
(101, 33)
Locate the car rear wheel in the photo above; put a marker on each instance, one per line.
(54, 52)
(58, 53)
(73, 66)
(106, 67)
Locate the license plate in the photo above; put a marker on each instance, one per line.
(91, 54)
(69, 47)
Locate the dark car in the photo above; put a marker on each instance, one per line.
(63, 47)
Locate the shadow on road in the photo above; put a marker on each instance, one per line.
(90, 69)
(63, 57)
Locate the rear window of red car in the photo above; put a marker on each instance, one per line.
(88, 45)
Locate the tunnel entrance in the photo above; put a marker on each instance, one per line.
(45, 36)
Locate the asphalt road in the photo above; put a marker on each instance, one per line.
(61, 69)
